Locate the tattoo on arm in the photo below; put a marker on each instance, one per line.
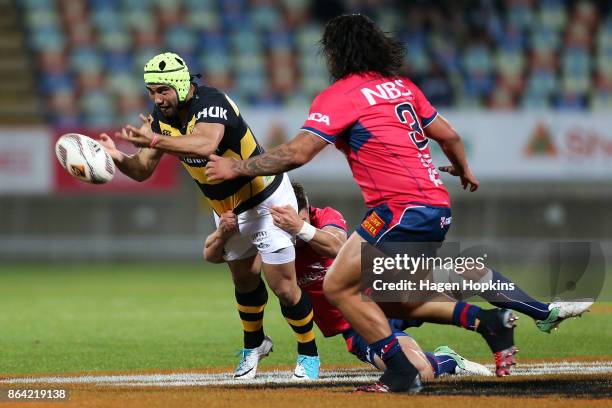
(280, 159)
(277, 160)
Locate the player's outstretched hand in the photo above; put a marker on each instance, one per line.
(467, 178)
(228, 223)
(135, 136)
(139, 137)
(287, 219)
(147, 121)
(220, 168)
(109, 145)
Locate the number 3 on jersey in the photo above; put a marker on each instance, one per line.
(418, 138)
(416, 135)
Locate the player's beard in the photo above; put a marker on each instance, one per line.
(170, 108)
(169, 111)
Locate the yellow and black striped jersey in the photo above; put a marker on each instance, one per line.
(212, 106)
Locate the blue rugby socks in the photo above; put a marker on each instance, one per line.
(401, 374)
(386, 348)
(441, 364)
(464, 315)
(515, 299)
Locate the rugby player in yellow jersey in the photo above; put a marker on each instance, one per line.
(193, 122)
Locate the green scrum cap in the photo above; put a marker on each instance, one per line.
(169, 69)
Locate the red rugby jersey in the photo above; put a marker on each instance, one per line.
(379, 124)
(311, 269)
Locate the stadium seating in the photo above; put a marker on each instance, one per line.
(507, 54)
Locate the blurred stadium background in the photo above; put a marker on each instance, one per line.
(527, 83)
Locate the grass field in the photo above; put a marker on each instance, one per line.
(168, 317)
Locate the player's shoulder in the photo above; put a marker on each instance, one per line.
(208, 100)
(345, 87)
(206, 94)
(335, 97)
(342, 86)
(330, 94)
(327, 216)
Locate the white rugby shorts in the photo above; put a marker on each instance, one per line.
(256, 230)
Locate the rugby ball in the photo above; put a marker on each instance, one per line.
(84, 158)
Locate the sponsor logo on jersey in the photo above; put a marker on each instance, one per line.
(319, 117)
(212, 112)
(373, 224)
(317, 274)
(386, 91)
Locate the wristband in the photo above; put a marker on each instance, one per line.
(307, 232)
(154, 141)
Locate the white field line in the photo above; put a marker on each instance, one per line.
(349, 376)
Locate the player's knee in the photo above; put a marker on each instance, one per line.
(246, 283)
(286, 291)
(331, 290)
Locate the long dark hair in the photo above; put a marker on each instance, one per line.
(354, 43)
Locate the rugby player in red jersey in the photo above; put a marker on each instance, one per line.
(315, 252)
(382, 122)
